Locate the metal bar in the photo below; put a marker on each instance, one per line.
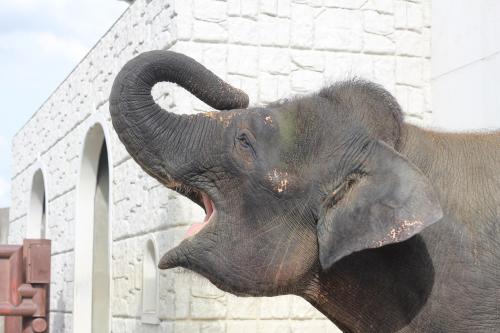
(25, 309)
(7, 250)
(25, 286)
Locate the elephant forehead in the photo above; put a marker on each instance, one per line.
(288, 128)
(224, 118)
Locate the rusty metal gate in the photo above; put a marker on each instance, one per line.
(25, 286)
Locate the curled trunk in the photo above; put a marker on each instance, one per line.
(158, 140)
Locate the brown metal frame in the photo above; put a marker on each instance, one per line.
(25, 286)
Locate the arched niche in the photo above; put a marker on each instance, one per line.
(150, 283)
(92, 289)
(37, 213)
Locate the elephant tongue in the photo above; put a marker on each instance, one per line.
(209, 208)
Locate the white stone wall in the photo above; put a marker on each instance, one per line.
(271, 49)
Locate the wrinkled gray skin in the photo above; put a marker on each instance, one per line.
(381, 225)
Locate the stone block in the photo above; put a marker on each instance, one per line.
(183, 24)
(61, 222)
(215, 58)
(186, 327)
(301, 309)
(61, 285)
(243, 60)
(182, 298)
(338, 66)
(210, 10)
(275, 307)
(233, 8)
(239, 326)
(208, 308)
(274, 60)
(409, 43)
(242, 307)
(17, 230)
(61, 322)
(243, 30)
(409, 71)
(378, 23)
(274, 31)
(310, 326)
(283, 8)
(303, 81)
(204, 289)
(378, 44)
(345, 32)
(416, 102)
(427, 14)
(302, 26)
(310, 60)
(383, 71)
(381, 6)
(349, 4)
(426, 43)
(269, 7)
(209, 32)
(408, 15)
(212, 326)
(268, 87)
(414, 16)
(274, 326)
(251, 87)
(250, 9)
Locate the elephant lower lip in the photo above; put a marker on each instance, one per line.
(210, 212)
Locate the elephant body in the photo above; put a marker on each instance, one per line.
(446, 278)
(381, 225)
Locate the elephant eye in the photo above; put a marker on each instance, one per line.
(244, 141)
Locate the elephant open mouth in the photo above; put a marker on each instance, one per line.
(200, 198)
(210, 211)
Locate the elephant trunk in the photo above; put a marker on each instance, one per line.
(157, 139)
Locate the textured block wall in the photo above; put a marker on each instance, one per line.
(271, 49)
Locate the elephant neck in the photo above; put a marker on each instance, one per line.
(336, 298)
(376, 290)
(353, 306)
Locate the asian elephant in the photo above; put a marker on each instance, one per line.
(381, 225)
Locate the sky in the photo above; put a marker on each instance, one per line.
(41, 41)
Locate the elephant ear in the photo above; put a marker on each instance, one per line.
(389, 202)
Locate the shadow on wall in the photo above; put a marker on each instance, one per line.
(4, 225)
(58, 325)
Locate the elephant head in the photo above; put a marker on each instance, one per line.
(289, 188)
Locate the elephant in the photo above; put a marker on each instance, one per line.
(381, 225)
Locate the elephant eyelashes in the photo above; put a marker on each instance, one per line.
(244, 141)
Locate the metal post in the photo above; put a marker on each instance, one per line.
(25, 286)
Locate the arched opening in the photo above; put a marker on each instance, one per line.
(92, 237)
(38, 207)
(100, 272)
(150, 284)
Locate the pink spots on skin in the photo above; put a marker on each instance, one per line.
(224, 118)
(396, 234)
(279, 179)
